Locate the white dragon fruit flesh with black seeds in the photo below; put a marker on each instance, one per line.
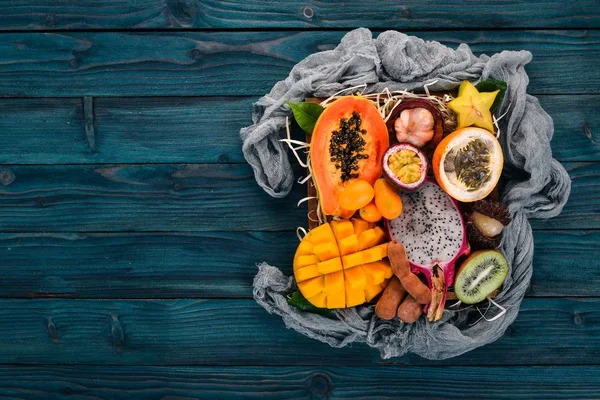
(432, 230)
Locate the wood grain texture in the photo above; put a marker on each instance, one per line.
(238, 14)
(239, 332)
(195, 265)
(192, 197)
(143, 265)
(382, 382)
(161, 197)
(247, 63)
(200, 129)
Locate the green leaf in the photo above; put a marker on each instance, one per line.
(490, 85)
(306, 114)
(299, 301)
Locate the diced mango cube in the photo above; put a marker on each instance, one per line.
(349, 245)
(337, 300)
(304, 248)
(329, 266)
(375, 253)
(360, 225)
(321, 234)
(326, 251)
(371, 237)
(355, 278)
(377, 271)
(319, 300)
(371, 291)
(342, 229)
(334, 283)
(304, 261)
(311, 287)
(305, 273)
(354, 297)
(366, 256)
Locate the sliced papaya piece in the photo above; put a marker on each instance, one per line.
(349, 245)
(344, 120)
(326, 251)
(311, 287)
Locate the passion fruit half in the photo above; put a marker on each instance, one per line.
(468, 163)
(405, 166)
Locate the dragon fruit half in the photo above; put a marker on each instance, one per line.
(432, 230)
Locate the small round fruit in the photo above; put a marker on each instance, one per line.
(356, 195)
(479, 275)
(405, 166)
(468, 163)
(370, 213)
(387, 200)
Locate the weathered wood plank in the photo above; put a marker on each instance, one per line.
(142, 265)
(157, 14)
(246, 63)
(195, 197)
(382, 382)
(42, 130)
(200, 129)
(581, 211)
(194, 265)
(172, 128)
(576, 127)
(162, 197)
(239, 332)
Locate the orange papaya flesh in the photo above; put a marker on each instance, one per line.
(332, 171)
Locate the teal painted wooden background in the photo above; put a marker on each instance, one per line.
(130, 224)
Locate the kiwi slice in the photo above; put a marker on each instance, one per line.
(479, 275)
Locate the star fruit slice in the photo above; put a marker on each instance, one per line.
(473, 107)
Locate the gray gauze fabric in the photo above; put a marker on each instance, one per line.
(538, 186)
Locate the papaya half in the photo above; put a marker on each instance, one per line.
(348, 143)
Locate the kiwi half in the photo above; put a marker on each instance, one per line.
(479, 275)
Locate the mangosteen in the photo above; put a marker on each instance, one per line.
(417, 122)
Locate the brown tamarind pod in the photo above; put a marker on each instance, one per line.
(389, 301)
(417, 289)
(409, 310)
(401, 267)
(398, 259)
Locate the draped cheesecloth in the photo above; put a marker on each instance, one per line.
(538, 186)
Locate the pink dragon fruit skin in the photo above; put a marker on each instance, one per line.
(432, 230)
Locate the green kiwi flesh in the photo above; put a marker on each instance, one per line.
(479, 275)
